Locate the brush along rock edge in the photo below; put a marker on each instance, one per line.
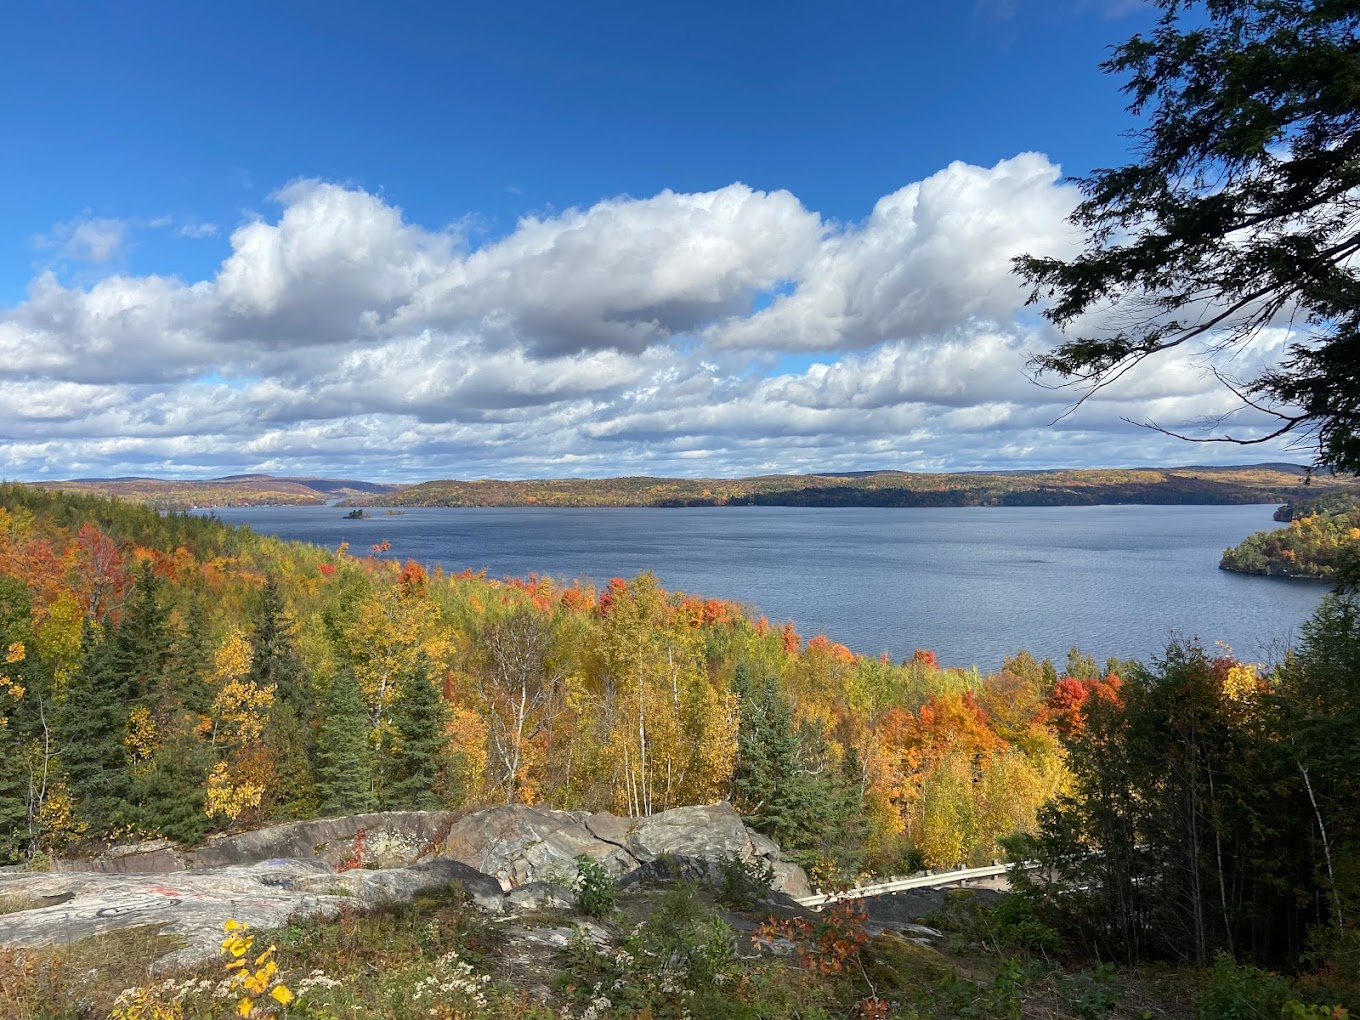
(507, 859)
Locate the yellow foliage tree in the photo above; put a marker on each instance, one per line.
(667, 732)
(396, 628)
(230, 795)
(946, 832)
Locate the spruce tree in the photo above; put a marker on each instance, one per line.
(15, 630)
(415, 751)
(139, 649)
(288, 738)
(168, 797)
(191, 659)
(90, 732)
(788, 785)
(344, 758)
(767, 755)
(274, 655)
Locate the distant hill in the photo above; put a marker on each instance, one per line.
(232, 490)
(1263, 483)
(1258, 483)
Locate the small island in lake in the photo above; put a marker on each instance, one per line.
(356, 515)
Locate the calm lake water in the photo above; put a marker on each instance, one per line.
(973, 584)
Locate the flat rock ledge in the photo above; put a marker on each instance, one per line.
(508, 859)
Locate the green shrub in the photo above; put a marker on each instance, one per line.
(743, 884)
(596, 889)
(1236, 991)
(1016, 924)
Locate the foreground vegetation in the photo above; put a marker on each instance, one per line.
(1266, 483)
(670, 950)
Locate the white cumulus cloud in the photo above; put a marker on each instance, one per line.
(729, 331)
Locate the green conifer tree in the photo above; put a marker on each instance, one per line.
(139, 648)
(295, 793)
(191, 657)
(90, 732)
(274, 654)
(168, 797)
(344, 757)
(415, 750)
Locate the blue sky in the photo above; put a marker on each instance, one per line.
(426, 240)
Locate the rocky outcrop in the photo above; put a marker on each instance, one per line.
(512, 858)
(516, 843)
(391, 839)
(194, 905)
(522, 845)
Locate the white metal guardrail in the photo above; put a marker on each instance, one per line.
(925, 881)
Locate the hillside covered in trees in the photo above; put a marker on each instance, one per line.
(1266, 483)
(1322, 535)
(170, 675)
(233, 490)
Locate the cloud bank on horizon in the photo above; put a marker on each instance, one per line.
(727, 332)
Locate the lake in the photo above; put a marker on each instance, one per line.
(974, 584)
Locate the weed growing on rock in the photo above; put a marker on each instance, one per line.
(596, 889)
(681, 961)
(743, 884)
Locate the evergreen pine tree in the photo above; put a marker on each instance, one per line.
(14, 629)
(13, 794)
(139, 648)
(274, 655)
(788, 786)
(415, 752)
(344, 758)
(90, 732)
(169, 795)
(190, 659)
(295, 793)
(767, 754)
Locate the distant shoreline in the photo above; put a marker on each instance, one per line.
(1207, 486)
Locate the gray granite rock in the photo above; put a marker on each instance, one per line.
(152, 857)
(609, 827)
(790, 879)
(709, 831)
(523, 844)
(392, 838)
(539, 896)
(763, 846)
(264, 877)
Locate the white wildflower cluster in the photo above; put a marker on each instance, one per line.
(228, 987)
(672, 983)
(452, 976)
(598, 1007)
(168, 991)
(316, 979)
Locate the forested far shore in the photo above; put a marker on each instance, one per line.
(1262, 483)
(231, 491)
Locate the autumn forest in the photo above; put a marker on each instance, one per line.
(169, 675)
